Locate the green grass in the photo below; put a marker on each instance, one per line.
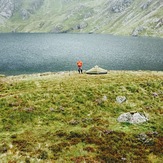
(63, 118)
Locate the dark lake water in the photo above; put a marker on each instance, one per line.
(32, 53)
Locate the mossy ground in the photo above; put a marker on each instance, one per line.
(65, 117)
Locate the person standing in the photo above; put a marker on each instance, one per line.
(80, 64)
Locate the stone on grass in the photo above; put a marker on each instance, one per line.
(51, 109)
(104, 98)
(145, 139)
(134, 118)
(155, 94)
(139, 118)
(28, 109)
(73, 122)
(120, 99)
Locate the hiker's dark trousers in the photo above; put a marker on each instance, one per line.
(80, 70)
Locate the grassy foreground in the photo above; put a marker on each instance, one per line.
(67, 117)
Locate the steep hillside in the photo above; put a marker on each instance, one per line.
(121, 17)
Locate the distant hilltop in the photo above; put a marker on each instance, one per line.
(118, 17)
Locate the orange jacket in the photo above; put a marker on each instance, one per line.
(79, 63)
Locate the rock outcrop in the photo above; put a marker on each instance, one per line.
(146, 4)
(6, 8)
(120, 5)
(9, 7)
(58, 28)
(133, 118)
(25, 14)
(33, 6)
(137, 31)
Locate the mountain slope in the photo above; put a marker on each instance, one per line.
(121, 17)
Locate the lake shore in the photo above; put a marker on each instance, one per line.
(45, 75)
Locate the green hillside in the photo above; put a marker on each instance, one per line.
(120, 17)
(70, 117)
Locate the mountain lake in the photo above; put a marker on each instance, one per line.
(26, 53)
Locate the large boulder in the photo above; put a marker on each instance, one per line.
(96, 70)
(133, 118)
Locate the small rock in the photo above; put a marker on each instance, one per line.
(148, 107)
(104, 98)
(120, 99)
(145, 139)
(61, 108)
(4, 148)
(28, 109)
(73, 122)
(142, 137)
(155, 133)
(99, 101)
(137, 31)
(155, 94)
(152, 133)
(51, 109)
(58, 28)
(107, 132)
(124, 159)
(87, 120)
